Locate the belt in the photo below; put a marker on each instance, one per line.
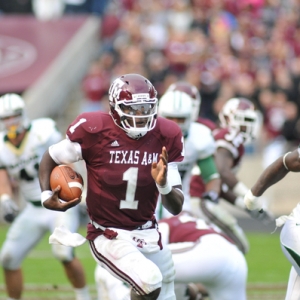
(148, 225)
(96, 225)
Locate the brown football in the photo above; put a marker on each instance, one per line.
(70, 181)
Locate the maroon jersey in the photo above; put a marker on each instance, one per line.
(121, 192)
(184, 228)
(232, 141)
(208, 123)
(224, 138)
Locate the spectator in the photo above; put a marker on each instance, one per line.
(250, 46)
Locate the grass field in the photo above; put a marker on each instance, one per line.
(44, 277)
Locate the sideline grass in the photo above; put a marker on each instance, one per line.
(45, 279)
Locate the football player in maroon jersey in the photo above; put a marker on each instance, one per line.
(239, 125)
(204, 259)
(209, 209)
(131, 156)
(197, 258)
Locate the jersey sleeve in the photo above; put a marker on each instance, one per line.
(228, 140)
(208, 169)
(83, 129)
(203, 139)
(176, 152)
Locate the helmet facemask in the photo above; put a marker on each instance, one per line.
(177, 106)
(241, 118)
(138, 118)
(12, 115)
(13, 125)
(192, 91)
(245, 122)
(133, 104)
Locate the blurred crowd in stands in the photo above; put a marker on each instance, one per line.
(227, 48)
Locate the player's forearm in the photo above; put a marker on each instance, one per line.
(5, 185)
(173, 201)
(46, 166)
(271, 175)
(213, 185)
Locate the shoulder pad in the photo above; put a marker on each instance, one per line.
(43, 128)
(89, 122)
(168, 128)
(202, 138)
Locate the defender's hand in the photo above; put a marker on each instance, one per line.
(9, 208)
(252, 202)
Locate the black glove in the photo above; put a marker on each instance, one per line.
(261, 215)
(10, 209)
(211, 196)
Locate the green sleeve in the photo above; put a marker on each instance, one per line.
(208, 168)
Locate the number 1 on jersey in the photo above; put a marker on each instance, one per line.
(130, 176)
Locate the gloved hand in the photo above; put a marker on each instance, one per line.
(252, 202)
(9, 208)
(211, 196)
(262, 215)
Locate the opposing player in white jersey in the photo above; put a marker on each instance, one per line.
(290, 233)
(22, 144)
(199, 146)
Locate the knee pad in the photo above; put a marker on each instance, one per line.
(150, 277)
(9, 261)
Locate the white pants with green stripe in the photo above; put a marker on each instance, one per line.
(290, 245)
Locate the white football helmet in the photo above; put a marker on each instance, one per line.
(240, 115)
(12, 114)
(177, 104)
(192, 91)
(133, 104)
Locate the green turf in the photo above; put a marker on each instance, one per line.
(266, 265)
(41, 267)
(266, 262)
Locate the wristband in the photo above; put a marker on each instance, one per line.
(252, 202)
(283, 160)
(45, 196)
(240, 189)
(5, 197)
(164, 190)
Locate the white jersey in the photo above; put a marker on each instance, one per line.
(22, 163)
(199, 144)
